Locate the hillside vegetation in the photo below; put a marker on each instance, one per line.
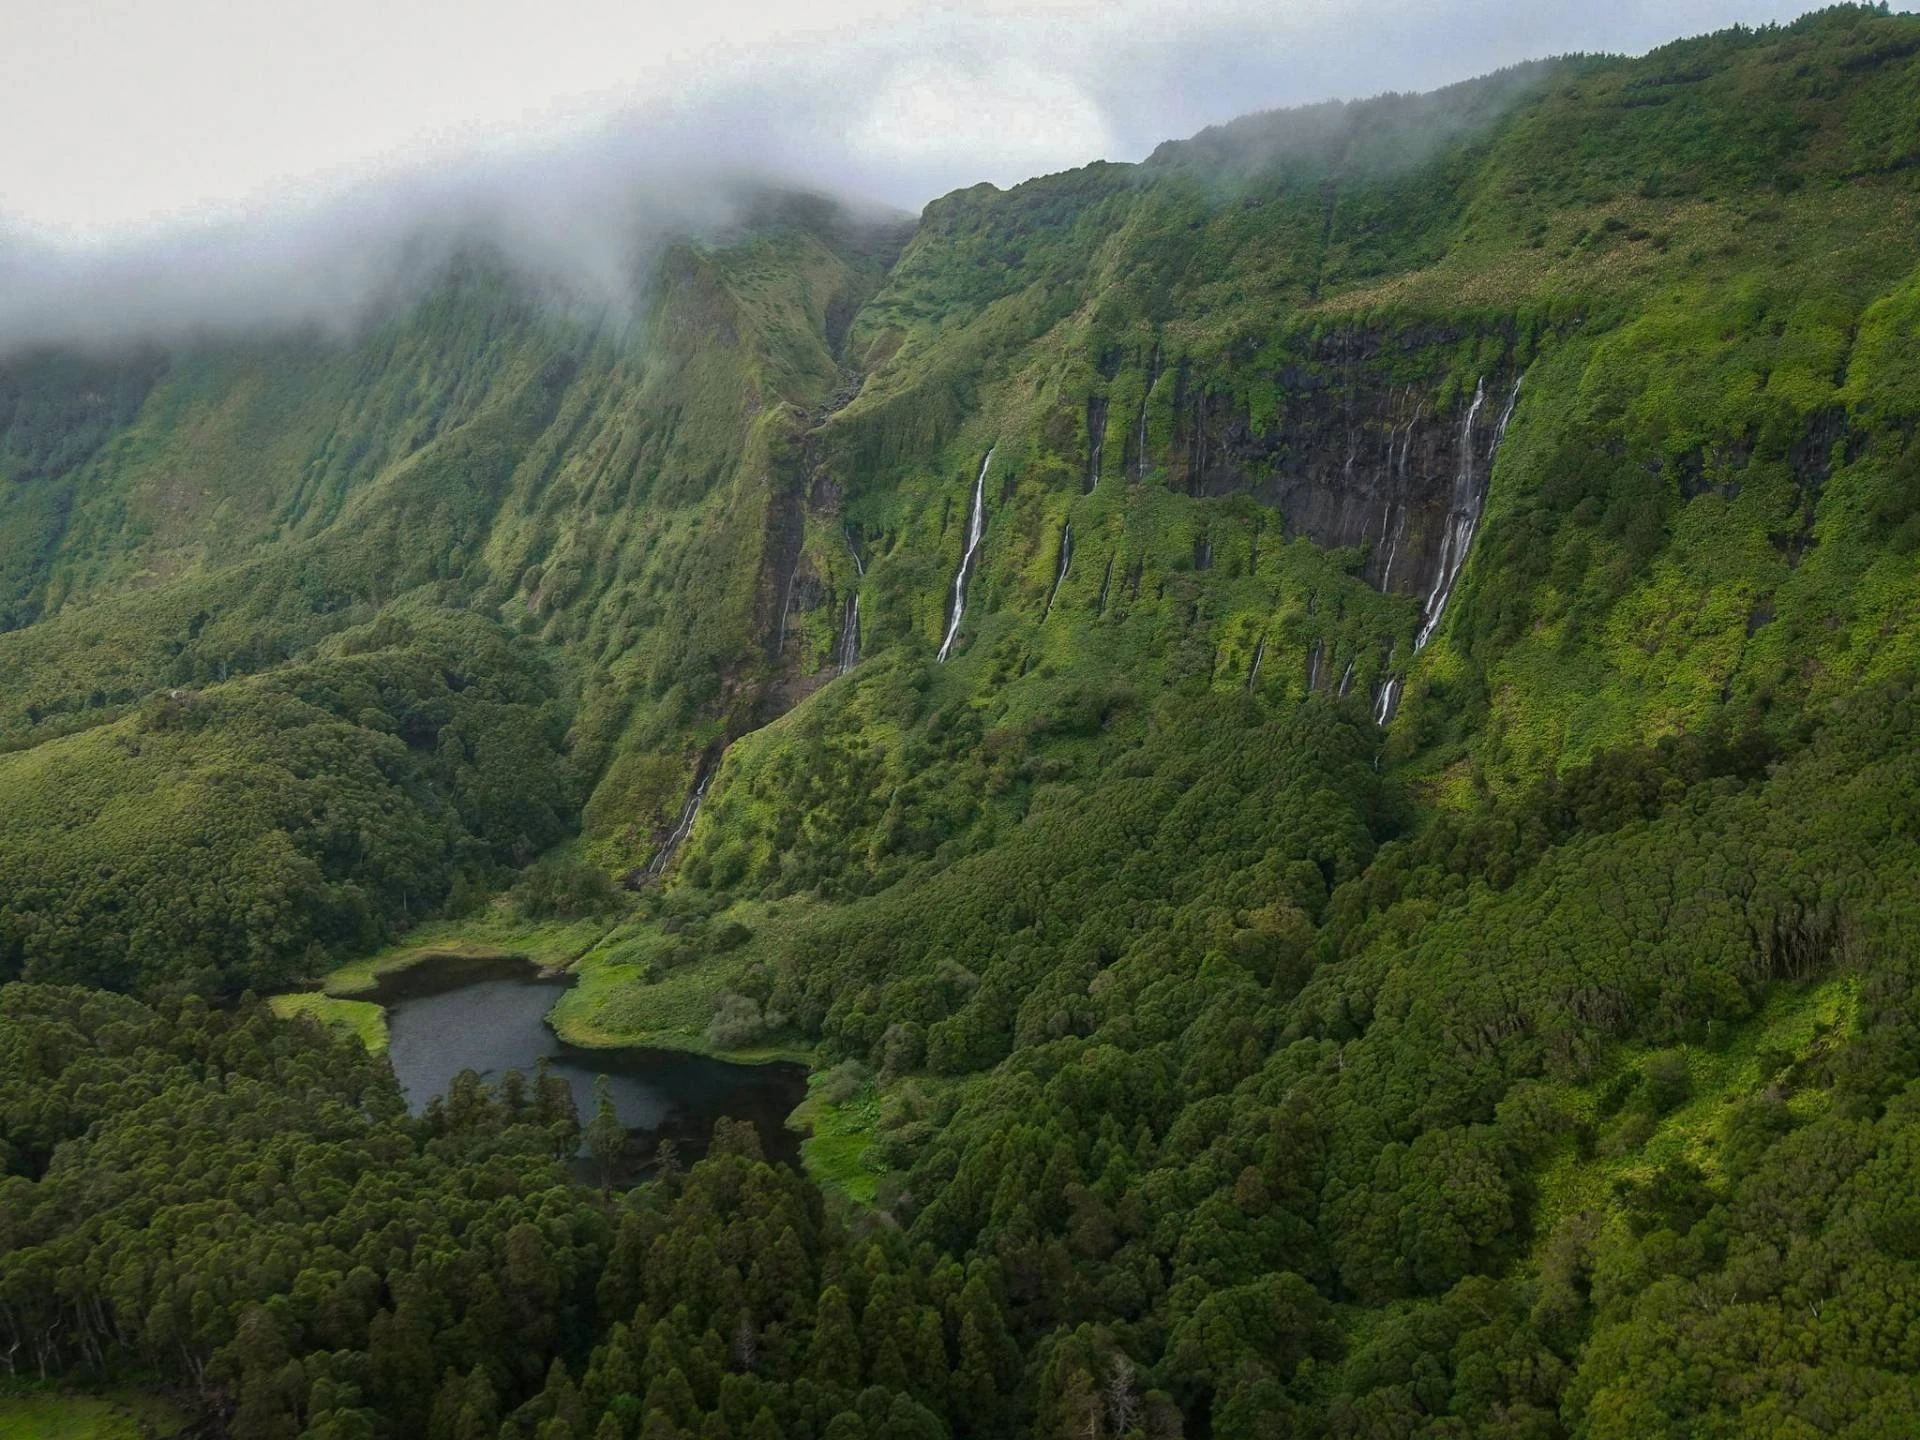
(1396, 916)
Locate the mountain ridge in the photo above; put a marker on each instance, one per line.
(1393, 915)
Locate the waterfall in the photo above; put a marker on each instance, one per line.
(1500, 430)
(657, 866)
(848, 654)
(1096, 440)
(1388, 702)
(1393, 546)
(1346, 681)
(976, 527)
(786, 605)
(1413, 423)
(1153, 374)
(1060, 570)
(1259, 654)
(1463, 515)
(1387, 698)
(1106, 583)
(1313, 666)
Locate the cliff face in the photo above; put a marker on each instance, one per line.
(634, 504)
(1371, 443)
(1262, 389)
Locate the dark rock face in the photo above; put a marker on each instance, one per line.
(1355, 455)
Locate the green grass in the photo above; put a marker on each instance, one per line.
(624, 993)
(365, 1019)
(127, 1416)
(497, 935)
(839, 1150)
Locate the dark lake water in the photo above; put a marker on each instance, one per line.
(489, 1016)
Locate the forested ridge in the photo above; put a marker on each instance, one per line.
(1397, 917)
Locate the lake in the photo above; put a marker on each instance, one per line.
(454, 1013)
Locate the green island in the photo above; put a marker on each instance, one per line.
(1315, 742)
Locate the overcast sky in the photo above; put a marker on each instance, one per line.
(137, 136)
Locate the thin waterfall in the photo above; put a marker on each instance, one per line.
(1393, 548)
(1259, 654)
(786, 606)
(1463, 516)
(1106, 583)
(1313, 666)
(1388, 702)
(976, 527)
(657, 866)
(1346, 681)
(1096, 440)
(1060, 569)
(1153, 374)
(1500, 430)
(1386, 699)
(849, 652)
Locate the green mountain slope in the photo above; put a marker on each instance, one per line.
(1384, 911)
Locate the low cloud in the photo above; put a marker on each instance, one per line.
(882, 112)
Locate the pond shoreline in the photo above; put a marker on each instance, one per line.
(448, 1009)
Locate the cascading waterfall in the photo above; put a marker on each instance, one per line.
(1060, 569)
(1500, 430)
(1386, 697)
(1259, 654)
(1468, 499)
(657, 866)
(1388, 702)
(976, 528)
(1346, 681)
(1313, 666)
(1106, 584)
(1463, 516)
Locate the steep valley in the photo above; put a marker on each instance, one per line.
(1313, 738)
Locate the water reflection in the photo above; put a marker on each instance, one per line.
(454, 1013)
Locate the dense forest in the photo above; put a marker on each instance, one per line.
(1315, 740)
